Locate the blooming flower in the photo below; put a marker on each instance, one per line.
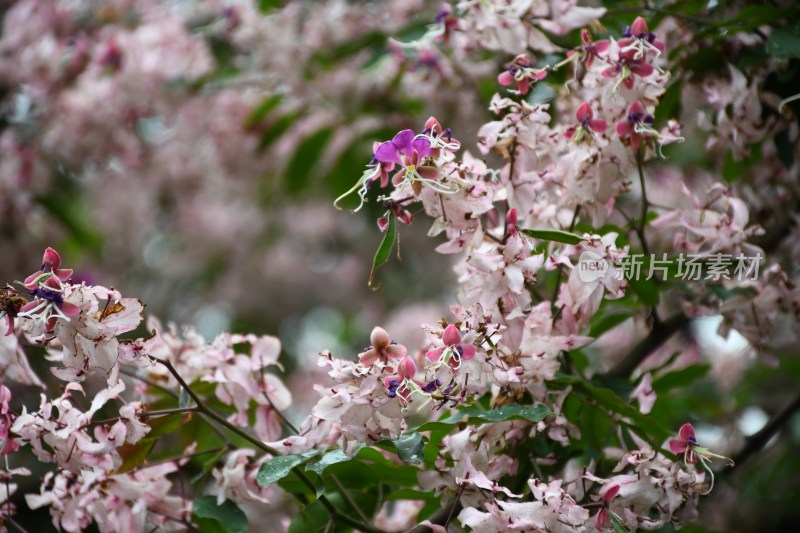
(639, 40)
(453, 351)
(637, 125)
(51, 266)
(46, 286)
(522, 74)
(586, 124)
(589, 49)
(381, 349)
(686, 444)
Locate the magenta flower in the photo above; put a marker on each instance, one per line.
(637, 38)
(381, 349)
(589, 49)
(637, 126)
(403, 383)
(453, 351)
(586, 124)
(603, 518)
(46, 286)
(522, 74)
(51, 266)
(686, 444)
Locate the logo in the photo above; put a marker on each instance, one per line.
(591, 266)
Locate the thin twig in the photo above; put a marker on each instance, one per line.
(329, 507)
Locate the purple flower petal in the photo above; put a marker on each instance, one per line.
(387, 153)
(403, 139)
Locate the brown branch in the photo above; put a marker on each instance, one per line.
(661, 333)
(760, 439)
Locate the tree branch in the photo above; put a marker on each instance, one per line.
(760, 439)
(660, 333)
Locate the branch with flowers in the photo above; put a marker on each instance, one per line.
(539, 401)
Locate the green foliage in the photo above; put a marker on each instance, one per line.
(226, 517)
(554, 235)
(385, 249)
(410, 448)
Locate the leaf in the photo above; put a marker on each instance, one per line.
(784, 43)
(646, 290)
(331, 458)
(311, 518)
(602, 323)
(680, 378)
(277, 128)
(228, 514)
(279, 467)
(410, 448)
(134, 455)
(262, 110)
(532, 413)
(305, 157)
(385, 249)
(555, 235)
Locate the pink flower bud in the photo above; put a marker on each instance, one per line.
(50, 260)
(451, 335)
(407, 368)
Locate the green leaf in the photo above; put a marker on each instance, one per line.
(262, 110)
(784, 43)
(646, 290)
(134, 455)
(331, 458)
(410, 448)
(555, 235)
(532, 413)
(277, 128)
(602, 323)
(228, 514)
(680, 378)
(279, 467)
(385, 249)
(305, 157)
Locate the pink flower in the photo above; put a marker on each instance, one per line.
(453, 351)
(521, 73)
(640, 39)
(603, 520)
(589, 50)
(586, 124)
(51, 263)
(381, 349)
(46, 286)
(636, 126)
(685, 443)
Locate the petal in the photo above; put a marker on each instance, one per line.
(379, 338)
(451, 336)
(396, 351)
(70, 309)
(434, 354)
(586, 37)
(624, 128)
(628, 83)
(658, 43)
(428, 172)
(639, 26)
(505, 78)
(468, 351)
(642, 69)
(369, 357)
(407, 368)
(677, 446)
(51, 259)
(10, 323)
(584, 112)
(602, 46)
(63, 273)
(524, 86)
(387, 153)
(403, 139)
(611, 493)
(636, 141)
(422, 146)
(610, 72)
(542, 74)
(686, 432)
(598, 125)
(433, 125)
(636, 108)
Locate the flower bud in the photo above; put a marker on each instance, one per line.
(379, 338)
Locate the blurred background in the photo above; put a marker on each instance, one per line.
(187, 153)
